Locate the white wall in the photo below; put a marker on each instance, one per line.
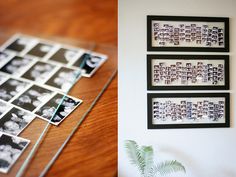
(204, 152)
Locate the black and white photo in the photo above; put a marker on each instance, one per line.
(39, 72)
(17, 65)
(11, 148)
(40, 50)
(4, 107)
(3, 77)
(182, 33)
(89, 63)
(65, 55)
(32, 97)
(4, 57)
(15, 121)
(11, 88)
(188, 72)
(19, 43)
(64, 78)
(58, 108)
(188, 110)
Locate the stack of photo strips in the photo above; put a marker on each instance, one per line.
(35, 78)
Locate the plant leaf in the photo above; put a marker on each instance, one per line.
(147, 155)
(135, 155)
(167, 167)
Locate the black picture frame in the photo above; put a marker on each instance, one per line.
(151, 96)
(183, 19)
(180, 58)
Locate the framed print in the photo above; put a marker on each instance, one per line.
(181, 33)
(188, 110)
(187, 72)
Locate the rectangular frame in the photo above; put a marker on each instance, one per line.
(187, 57)
(225, 20)
(150, 97)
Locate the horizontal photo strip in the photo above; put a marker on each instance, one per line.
(188, 72)
(183, 33)
(188, 110)
(29, 48)
(30, 100)
(57, 108)
(50, 74)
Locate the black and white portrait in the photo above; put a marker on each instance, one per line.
(64, 78)
(17, 65)
(3, 78)
(32, 97)
(4, 107)
(15, 121)
(11, 147)
(58, 108)
(11, 88)
(4, 57)
(20, 43)
(89, 63)
(39, 72)
(40, 50)
(64, 55)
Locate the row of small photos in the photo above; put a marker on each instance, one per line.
(35, 77)
(210, 35)
(188, 72)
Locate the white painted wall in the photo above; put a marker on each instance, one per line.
(204, 152)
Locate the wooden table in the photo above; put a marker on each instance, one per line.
(92, 151)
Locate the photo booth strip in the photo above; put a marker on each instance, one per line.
(15, 121)
(44, 102)
(57, 108)
(41, 61)
(187, 33)
(44, 50)
(12, 148)
(167, 34)
(26, 62)
(188, 72)
(188, 110)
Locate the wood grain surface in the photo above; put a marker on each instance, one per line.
(92, 151)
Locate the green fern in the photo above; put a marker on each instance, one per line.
(143, 159)
(135, 155)
(147, 155)
(167, 167)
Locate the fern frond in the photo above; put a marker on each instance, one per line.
(135, 155)
(167, 167)
(147, 154)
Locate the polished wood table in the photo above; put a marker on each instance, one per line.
(92, 151)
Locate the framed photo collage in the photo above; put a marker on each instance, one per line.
(205, 79)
